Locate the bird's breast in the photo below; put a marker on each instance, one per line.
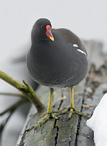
(57, 65)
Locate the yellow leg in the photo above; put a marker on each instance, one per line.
(72, 98)
(50, 113)
(72, 102)
(49, 110)
(47, 116)
(71, 108)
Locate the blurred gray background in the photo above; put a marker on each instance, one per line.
(86, 18)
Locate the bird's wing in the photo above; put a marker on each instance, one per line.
(70, 37)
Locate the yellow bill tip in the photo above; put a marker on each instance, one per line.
(52, 38)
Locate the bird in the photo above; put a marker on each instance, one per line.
(57, 58)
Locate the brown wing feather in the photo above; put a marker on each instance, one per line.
(70, 37)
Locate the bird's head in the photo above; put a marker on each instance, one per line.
(42, 30)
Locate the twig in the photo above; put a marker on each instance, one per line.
(25, 89)
(11, 94)
(3, 125)
(14, 106)
(10, 110)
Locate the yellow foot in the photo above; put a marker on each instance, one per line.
(70, 110)
(42, 121)
(80, 113)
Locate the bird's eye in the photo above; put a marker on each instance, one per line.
(42, 27)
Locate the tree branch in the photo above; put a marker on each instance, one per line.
(25, 89)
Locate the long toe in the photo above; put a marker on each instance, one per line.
(53, 116)
(71, 111)
(42, 121)
(80, 113)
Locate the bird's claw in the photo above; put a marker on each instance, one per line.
(70, 110)
(42, 121)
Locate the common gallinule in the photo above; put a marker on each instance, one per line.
(57, 58)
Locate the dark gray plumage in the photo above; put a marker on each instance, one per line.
(59, 63)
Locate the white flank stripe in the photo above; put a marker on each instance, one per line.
(81, 51)
(75, 45)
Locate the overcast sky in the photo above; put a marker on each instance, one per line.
(86, 18)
